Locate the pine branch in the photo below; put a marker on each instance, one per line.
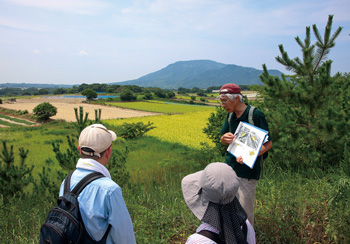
(325, 45)
(285, 60)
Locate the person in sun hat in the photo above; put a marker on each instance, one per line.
(101, 203)
(232, 101)
(211, 196)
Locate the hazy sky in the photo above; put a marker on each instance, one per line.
(104, 41)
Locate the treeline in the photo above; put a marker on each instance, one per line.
(104, 88)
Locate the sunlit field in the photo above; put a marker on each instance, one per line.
(186, 129)
(162, 107)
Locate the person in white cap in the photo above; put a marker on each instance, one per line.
(101, 203)
(211, 196)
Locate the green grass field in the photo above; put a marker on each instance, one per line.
(290, 207)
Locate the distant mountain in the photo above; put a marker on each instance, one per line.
(186, 74)
(199, 73)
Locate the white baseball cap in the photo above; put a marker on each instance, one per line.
(97, 138)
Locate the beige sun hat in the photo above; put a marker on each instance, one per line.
(217, 183)
(97, 138)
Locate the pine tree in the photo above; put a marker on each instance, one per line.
(14, 177)
(308, 115)
(82, 121)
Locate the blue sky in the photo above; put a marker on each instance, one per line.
(104, 41)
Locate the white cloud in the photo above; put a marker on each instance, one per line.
(36, 51)
(83, 53)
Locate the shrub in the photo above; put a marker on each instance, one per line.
(135, 130)
(20, 112)
(160, 93)
(13, 178)
(44, 111)
(148, 96)
(215, 122)
(117, 165)
(201, 94)
(170, 95)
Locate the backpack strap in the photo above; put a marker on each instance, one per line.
(251, 114)
(245, 230)
(85, 181)
(229, 121)
(82, 183)
(67, 183)
(211, 235)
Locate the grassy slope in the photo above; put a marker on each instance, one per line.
(154, 197)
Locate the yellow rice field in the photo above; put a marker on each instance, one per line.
(184, 128)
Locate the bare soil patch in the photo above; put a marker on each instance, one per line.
(65, 108)
(14, 122)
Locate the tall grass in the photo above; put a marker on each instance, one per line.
(290, 207)
(38, 140)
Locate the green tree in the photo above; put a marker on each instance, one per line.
(307, 112)
(59, 91)
(89, 93)
(81, 121)
(43, 91)
(148, 96)
(44, 111)
(170, 94)
(127, 95)
(160, 93)
(201, 94)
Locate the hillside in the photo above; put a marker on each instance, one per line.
(186, 74)
(199, 73)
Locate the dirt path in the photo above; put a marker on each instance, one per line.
(14, 122)
(65, 108)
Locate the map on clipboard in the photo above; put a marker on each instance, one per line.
(248, 142)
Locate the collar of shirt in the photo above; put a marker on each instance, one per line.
(90, 164)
